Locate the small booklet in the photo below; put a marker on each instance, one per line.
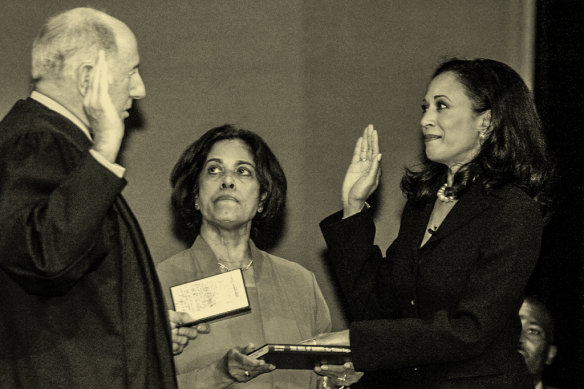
(305, 357)
(211, 297)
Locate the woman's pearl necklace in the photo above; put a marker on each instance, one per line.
(442, 197)
(225, 268)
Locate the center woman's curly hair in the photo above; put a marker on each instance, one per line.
(514, 149)
(185, 177)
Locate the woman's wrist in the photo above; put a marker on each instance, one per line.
(353, 209)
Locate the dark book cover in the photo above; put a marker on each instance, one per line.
(303, 357)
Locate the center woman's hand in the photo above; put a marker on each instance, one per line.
(243, 368)
(362, 177)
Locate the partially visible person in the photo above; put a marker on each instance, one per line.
(228, 187)
(440, 310)
(537, 343)
(81, 304)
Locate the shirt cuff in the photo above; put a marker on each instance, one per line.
(118, 170)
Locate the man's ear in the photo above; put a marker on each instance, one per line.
(83, 75)
(551, 354)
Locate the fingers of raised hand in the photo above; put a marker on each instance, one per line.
(364, 146)
(369, 137)
(375, 170)
(103, 75)
(374, 147)
(367, 146)
(357, 151)
(97, 77)
(97, 102)
(95, 85)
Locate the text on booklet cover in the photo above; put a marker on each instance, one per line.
(296, 356)
(211, 297)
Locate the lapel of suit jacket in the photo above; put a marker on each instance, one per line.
(471, 204)
(421, 215)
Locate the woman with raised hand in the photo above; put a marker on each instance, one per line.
(440, 309)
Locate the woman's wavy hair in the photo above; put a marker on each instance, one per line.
(185, 177)
(513, 150)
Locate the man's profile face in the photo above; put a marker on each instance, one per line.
(533, 344)
(125, 81)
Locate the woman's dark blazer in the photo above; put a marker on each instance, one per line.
(444, 315)
(80, 302)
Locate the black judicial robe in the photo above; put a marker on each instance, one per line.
(80, 302)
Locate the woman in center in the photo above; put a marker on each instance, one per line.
(228, 187)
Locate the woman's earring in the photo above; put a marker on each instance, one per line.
(260, 208)
(197, 206)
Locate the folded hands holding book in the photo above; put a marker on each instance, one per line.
(235, 365)
(240, 363)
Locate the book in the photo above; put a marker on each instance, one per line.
(211, 297)
(298, 356)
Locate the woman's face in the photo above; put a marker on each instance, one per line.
(229, 190)
(450, 126)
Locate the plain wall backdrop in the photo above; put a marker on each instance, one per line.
(307, 76)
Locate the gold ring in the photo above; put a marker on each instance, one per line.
(246, 373)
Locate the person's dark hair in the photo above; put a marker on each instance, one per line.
(514, 149)
(185, 177)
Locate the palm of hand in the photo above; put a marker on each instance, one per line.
(357, 186)
(364, 171)
(101, 113)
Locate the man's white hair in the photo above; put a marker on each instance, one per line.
(70, 38)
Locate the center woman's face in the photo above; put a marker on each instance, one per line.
(450, 126)
(228, 185)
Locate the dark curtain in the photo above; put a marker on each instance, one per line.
(558, 89)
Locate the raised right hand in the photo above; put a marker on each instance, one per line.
(362, 177)
(106, 123)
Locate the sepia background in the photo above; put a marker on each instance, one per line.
(307, 76)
